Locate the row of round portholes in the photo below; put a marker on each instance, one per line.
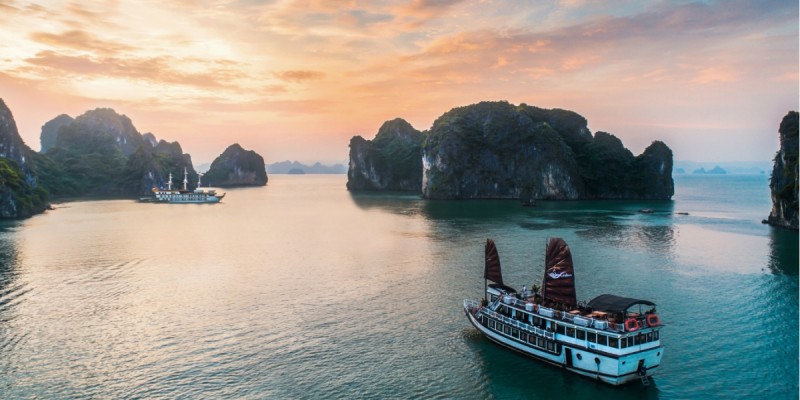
(597, 360)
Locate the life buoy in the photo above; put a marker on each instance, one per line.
(631, 325)
(653, 320)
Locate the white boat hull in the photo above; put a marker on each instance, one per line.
(582, 361)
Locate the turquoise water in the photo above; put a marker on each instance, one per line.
(303, 290)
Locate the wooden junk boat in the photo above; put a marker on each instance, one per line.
(611, 338)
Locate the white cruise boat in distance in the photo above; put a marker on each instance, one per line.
(612, 339)
(184, 196)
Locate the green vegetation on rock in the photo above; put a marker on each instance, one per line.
(499, 150)
(392, 161)
(237, 167)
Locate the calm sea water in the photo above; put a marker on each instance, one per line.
(303, 290)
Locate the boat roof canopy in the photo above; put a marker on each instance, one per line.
(615, 304)
(507, 289)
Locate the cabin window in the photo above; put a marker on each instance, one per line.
(602, 339)
(536, 321)
(493, 298)
(580, 334)
(523, 336)
(649, 337)
(592, 337)
(515, 332)
(637, 339)
(560, 329)
(550, 346)
(623, 343)
(613, 342)
(570, 331)
(655, 335)
(532, 339)
(540, 342)
(491, 324)
(630, 341)
(507, 329)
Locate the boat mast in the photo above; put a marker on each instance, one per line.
(185, 178)
(169, 183)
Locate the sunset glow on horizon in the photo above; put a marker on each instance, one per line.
(297, 79)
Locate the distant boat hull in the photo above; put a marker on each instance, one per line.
(183, 197)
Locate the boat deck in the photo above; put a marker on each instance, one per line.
(597, 320)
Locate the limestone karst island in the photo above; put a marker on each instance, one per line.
(494, 150)
(101, 153)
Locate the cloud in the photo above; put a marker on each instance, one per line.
(80, 40)
(299, 75)
(419, 12)
(154, 69)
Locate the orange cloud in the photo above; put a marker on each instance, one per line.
(299, 75)
(155, 69)
(80, 40)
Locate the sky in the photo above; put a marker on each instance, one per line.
(295, 80)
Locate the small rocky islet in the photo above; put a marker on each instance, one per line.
(499, 150)
(100, 153)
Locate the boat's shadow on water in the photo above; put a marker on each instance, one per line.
(507, 374)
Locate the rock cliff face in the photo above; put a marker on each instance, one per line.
(490, 150)
(237, 167)
(498, 150)
(20, 194)
(784, 180)
(391, 161)
(102, 153)
(150, 167)
(101, 126)
(50, 131)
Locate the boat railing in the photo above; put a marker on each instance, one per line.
(471, 304)
(587, 321)
(519, 324)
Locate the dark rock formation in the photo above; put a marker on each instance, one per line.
(784, 180)
(490, 150)
(150, 167)
(50, 129)
(102, 153)
(150, 138)
(498, 150)
(20, 194)
(651, 175)
(391, 161)
(237, 167)
(101, 126)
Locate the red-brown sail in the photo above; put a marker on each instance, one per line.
(492, 271)
(559, 274)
